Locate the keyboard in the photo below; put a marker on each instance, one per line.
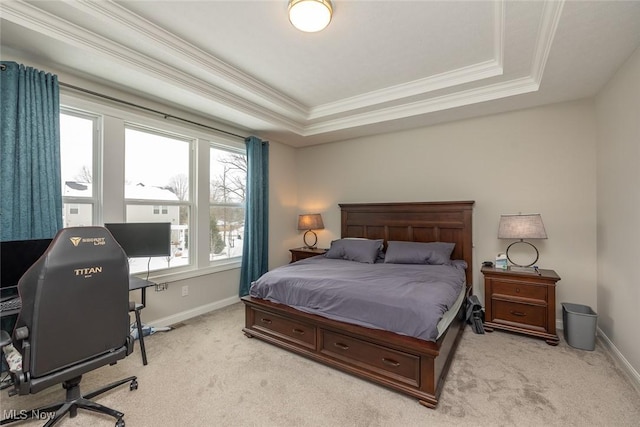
(12, 304)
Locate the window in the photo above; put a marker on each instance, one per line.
(78, 145)
(227, 183)
(158, 209)
(157, 189)
(120, 165)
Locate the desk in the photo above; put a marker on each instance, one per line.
(136, 283)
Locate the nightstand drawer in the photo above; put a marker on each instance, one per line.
(520, 290)
(383, 361)
(519, 314)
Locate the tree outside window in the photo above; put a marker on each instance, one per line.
(227, 203)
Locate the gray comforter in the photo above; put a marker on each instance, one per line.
(408, 299)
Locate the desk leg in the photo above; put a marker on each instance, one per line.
(140, 336)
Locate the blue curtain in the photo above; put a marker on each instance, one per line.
(255, 252)
(31, 203)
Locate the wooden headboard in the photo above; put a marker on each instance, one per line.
(416, 222)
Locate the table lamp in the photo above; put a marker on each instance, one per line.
(310, 222)
(521, 226)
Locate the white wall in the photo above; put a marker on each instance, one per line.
(283, 203)
(536, 160)
(618, 184)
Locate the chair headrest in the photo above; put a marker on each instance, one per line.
(75, 245)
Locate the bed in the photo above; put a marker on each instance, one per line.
(413, 366)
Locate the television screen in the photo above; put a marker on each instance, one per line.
(17, 256)
(142, 239)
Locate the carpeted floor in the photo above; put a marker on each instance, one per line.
(206, 372)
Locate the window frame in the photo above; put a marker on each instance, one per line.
(95, 200)
(188, 204)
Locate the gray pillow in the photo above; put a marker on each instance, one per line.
(380, 251)
(360, 250)
(418, 252)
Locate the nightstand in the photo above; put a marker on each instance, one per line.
(521, 302)
(301, 253)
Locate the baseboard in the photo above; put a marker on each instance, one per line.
(188, 314)
(623, 363)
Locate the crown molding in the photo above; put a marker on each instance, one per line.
(55, 27)
(548, 26)
(184, 51)
(446, 80)
(444, 102)
(249, 96)
(498, 32)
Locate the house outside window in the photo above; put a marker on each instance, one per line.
(157, 181)
(158, 209)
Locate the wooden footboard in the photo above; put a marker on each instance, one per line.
(409, 365)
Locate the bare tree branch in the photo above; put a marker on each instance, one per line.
(84, 175)
(179, 185)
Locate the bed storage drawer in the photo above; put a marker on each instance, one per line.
(296, 332)
(381, 360)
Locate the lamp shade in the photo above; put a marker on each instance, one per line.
(521, 226)
(310, 222)
(310, 16)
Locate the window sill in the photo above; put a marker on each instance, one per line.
(168, 277)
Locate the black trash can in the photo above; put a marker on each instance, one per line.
(580, 323)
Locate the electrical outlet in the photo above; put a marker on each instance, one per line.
(185, 290)
(161, 287)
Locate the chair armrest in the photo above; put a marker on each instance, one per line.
(21, 333)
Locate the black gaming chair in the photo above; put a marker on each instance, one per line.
(74, 319)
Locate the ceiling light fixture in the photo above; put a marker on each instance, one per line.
(310, 15)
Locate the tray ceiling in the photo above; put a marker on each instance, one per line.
(379, 66)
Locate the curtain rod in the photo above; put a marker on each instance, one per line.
(131, 104)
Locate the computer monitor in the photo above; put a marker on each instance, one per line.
(16, 256)
(142, 239)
